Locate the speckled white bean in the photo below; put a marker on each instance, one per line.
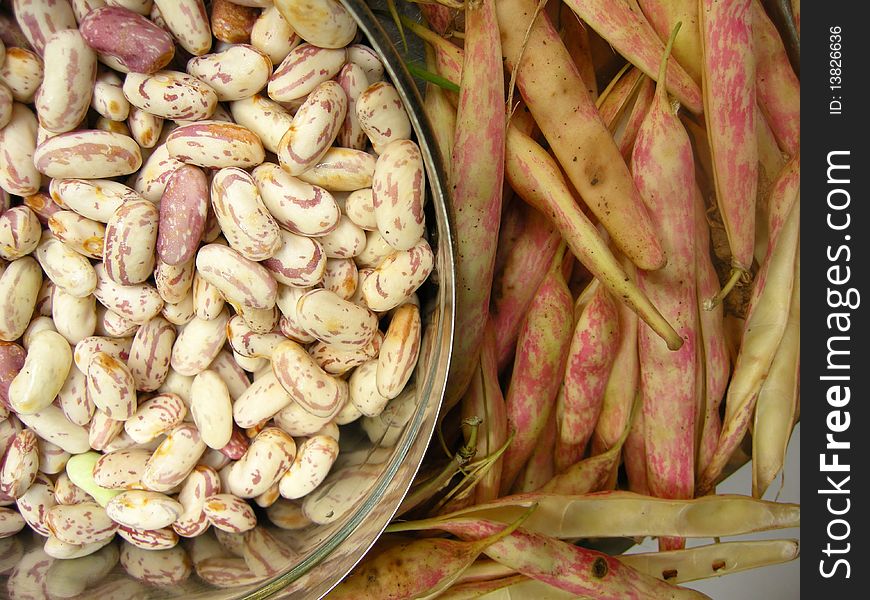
(262, 400)
(85, 236)
(156, 567)
(20, 465)
(398, 276)
(19, 288)
(151, 179)
(150, 354)
(131, 237)
(398, 191)
(174, 282)
(248, 343)
(232, 374)
(353, 81)
(360, 208)
(238, 278)
(41, 18)
(70, 72)
(273, 35)
(96, 199)
(266, 118)
(304, 68)
(367, 58)
(314, 128)
(51, 424)
(121, 469)
(174, 458)
(339, 362)
(382, 116)
(290, 323)
(143, 509)
(102, 430)
(139, 303)
(386, 428)
(347, 240)
(342, 170)
(35, 503)
(144, 127)
(18, 175)
(215, 144)
(82, 523)
(297, 206)
(111, 324)
(202, 482)
(111, 386)
(11, 522)
(325, 23)
(364, 392)
(208, 302)
(171, 95)
(149, 539)
(66, 492)
(318, 392)
(244, 219)
(108, 97)
(74, 318)
(229, 513)
(22, 73)
(118, 348)
(238, 72)
(65, 267)
(335, 321)
(313, 461)
(52, 458)
(20, 232)
(44, 372)
(198, 343)
(156, 416)
(187, 20)
(268, 457)
(181, 312)
(212, 409)
(88, 154)
(400, 350)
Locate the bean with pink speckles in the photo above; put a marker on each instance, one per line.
(41, 18)
(236, 73)
(174, 458)
(155, 417)
(20, 232)
(398, 276)
(149, 539)
(318, 392)
(364, 392)
(208, 302)
(341, 276)
(150, 354)
(11, 523)
(354, 82)
(198, 343)
(156, 567)
(35, 503)
(85, 350)
(249, 343)
(398, 192)
(103, 430)
(303, 69)
(20, 465)
(273, 35)
(6, 101)
(88, 154)
(131, 237)
(43, 374)
(215, 144)
(111, 386)
(211, 408)
(19, 287)
(11, 361)
(400, 350)
(183, 209)
(91, 198)
(266, 118)
(267, 459)
(51, 424)
(188, 22)
(382, 115)
(239, 279)
(339, 362)
(262, 400)
(70, 72)
(144, 127)
(108, 98)
(121, 469)
(111, 324)
(314, 128)
(368, 59)
(338, 322)
(202, 482)
(297, 206)
(314, 459)
(133, 42)
(229, 513)
(18, 175)
(171, 95)
(65, 267)
(83, 235)
(22, 73)
(243, 218)
(342, 170)
(74, 318)
(325, 23)
(143, 509)
(139, 302)
(52, 458)
(174, 282)
(300, 261)
(82, 523)
(347, 240)
(150, 181)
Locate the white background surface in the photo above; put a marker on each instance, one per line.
(780, 582)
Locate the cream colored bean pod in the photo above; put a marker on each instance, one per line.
(88, 154)
(268, 457)
(19, 288)
(171, 95)
(313, 461)
(155, 417)
(188, 22)
(150, 354)
(198, 344)
(324, 23)
(297, 206)
(70, 72)
(74, 318)
(174, 458)
(156, 567)
(342, 170)
(18, 174)
(400, 350)
(382, 116)
(20, 465)
(200, 484)
(139, 303)
(111, 387)
(131, 237)
(65, 267)
(398, 276)
(229, 513)
(261, 400)
(398, 192)
(35, 503)
(85, 236)
(215, 144)
(143, 509)
(108, 98)
(212, 409)
(121, 469)
(20, 232)
(44, 372)
(96, 199)
(239, 279)
(243, 218)
(307, 384)
(82, 523)
(314, 128)
(236, 73)
(304, 68)
(335, 321)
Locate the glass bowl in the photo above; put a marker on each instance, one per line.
(301, 563)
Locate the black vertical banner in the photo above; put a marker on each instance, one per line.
(835, 358)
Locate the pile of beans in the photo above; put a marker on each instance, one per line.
(209, 265)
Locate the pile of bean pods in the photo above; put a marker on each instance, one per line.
(212, 232)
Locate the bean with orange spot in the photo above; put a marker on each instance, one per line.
(85, 236)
